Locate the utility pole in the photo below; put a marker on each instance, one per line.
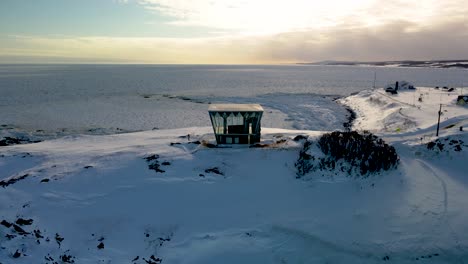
(438, 121)
(375, 78)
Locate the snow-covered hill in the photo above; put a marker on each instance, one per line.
(162, 197)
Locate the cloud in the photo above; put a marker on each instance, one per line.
(126, 50)
(394, 41)
(272, 32)
(269, 17)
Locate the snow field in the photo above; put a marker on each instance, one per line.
(252, 210)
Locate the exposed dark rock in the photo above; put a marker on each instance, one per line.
(155, 167)
(45, 180)
(37, 233)
(58, 239)
(20, 230)
(153, 260)
(152, 157)
(162, 240)
(17, 254)
(136, 258)
(5, 183)
(153, 163)
(166, 163)
(22, 222)
(214, 170)
(88, 167)
(67, 258)
(100, 246)
(6, 224)
(300, 137)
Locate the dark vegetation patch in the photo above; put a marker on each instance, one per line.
(154, 164)
(446, 145)
(7, 141)
(363, 153)
(5, 183)
(350, 119)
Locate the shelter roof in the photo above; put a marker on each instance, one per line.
(235, 108)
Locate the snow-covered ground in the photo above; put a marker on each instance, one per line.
(410, 113)
(94, 198)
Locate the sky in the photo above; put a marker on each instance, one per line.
(231, 31)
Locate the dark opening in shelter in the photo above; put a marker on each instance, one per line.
(236, 123)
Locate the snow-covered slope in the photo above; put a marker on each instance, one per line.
(161, 197)
(408, 113)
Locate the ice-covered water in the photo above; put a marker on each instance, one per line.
(65, 99)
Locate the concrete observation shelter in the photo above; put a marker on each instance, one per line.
(236, 123)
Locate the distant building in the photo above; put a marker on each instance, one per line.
(236, 123)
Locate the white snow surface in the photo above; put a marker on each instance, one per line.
(101, 190)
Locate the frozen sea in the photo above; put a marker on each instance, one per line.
(56, 100)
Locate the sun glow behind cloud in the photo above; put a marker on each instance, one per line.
(262, 31)
(273, 16)
(258, 17)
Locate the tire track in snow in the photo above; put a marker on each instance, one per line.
(317, 242)
(442, 182)
(444, 217)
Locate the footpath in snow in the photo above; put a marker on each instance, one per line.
(161, 197)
